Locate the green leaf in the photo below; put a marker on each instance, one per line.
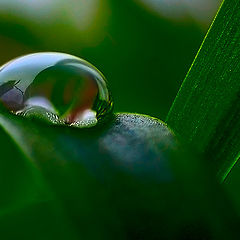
(106, 181)
(205, 113)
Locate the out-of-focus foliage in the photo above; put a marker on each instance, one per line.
(200, 11)
(58, 23)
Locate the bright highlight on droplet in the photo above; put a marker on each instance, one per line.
(57, 87)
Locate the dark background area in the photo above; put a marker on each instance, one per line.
(144, 54)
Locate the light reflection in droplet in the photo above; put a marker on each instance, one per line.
(66, 86)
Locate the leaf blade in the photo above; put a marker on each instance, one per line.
(131, 165)
(210, 89)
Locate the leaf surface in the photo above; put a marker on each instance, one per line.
(117, 175)
(205, 113)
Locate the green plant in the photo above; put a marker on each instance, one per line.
(205, 111)
(131, 178)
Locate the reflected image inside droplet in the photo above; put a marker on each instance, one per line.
(57, 87)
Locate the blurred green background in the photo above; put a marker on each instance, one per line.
(143, 47)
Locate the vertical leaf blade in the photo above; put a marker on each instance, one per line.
(203, 113)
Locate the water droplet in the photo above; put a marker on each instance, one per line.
(56, 87)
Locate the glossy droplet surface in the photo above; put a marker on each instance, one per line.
(55, 86)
